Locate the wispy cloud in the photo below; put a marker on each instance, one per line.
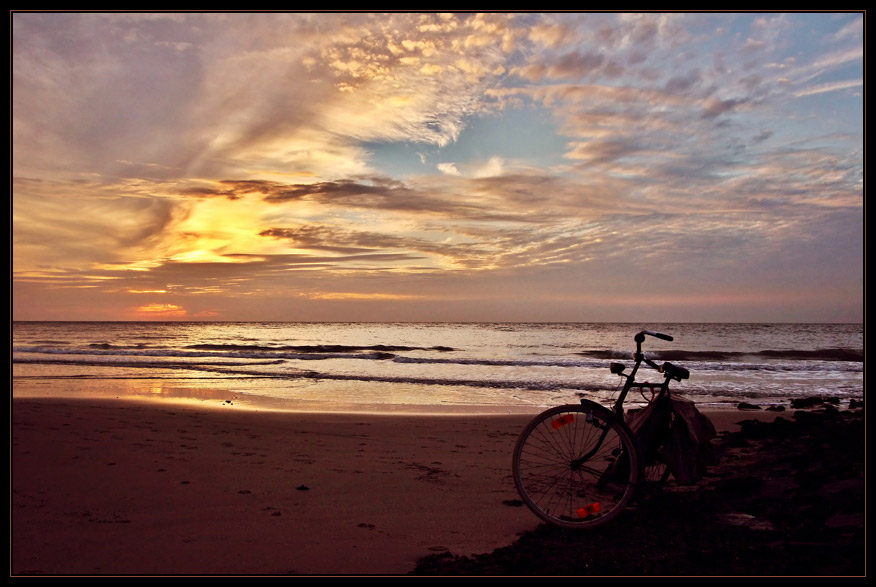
(830, 87)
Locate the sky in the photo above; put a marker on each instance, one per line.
(658, 167)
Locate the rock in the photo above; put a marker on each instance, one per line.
(806, 402)
(741, 485)
(747, 406)
(855, 520)
(747, 520)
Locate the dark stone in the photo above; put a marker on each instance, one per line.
(740, 485)
(806, 402)
(747, 406)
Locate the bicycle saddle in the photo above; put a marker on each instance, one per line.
(677, 373)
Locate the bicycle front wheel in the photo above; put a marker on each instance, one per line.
(576, 466)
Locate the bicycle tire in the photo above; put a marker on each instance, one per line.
(563, 492)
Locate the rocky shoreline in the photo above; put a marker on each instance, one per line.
(786, 498)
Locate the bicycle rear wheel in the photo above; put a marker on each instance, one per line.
(576, 466)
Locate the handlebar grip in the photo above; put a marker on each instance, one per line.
(658, 335)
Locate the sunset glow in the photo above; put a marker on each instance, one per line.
(513, 166)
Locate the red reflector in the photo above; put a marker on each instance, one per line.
(589, 510)
(562, 421)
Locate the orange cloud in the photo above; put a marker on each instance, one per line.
(361, 296)
(150, 311)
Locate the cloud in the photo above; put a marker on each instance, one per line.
(362, 80)
(253, 156)
(762, 136)
(160, 311)
(554, 35)
(829, 87)
(853, 29)
(464, 253)
(448, 169)
(381, 194)
(839, 58)
(102, 222)
(574, 65)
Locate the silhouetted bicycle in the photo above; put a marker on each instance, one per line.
(579, 466)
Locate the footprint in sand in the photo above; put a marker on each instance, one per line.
(274, 511)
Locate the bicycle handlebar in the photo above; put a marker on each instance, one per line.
(652, 364)
(657, 335)
(640, 336)
(668, 368)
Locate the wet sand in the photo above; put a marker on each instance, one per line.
(141, 488)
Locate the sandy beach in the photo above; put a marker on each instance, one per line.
(117, 487)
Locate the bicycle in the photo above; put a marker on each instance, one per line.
(579, 466)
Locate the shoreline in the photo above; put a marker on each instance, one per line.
(223, 397)
(724, 418)
(121, 486)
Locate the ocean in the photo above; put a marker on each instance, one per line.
(386, 367)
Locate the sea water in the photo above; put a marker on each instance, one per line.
(385, 366)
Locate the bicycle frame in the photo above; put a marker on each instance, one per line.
(668, 370)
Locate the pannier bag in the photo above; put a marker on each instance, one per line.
(683, 430)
